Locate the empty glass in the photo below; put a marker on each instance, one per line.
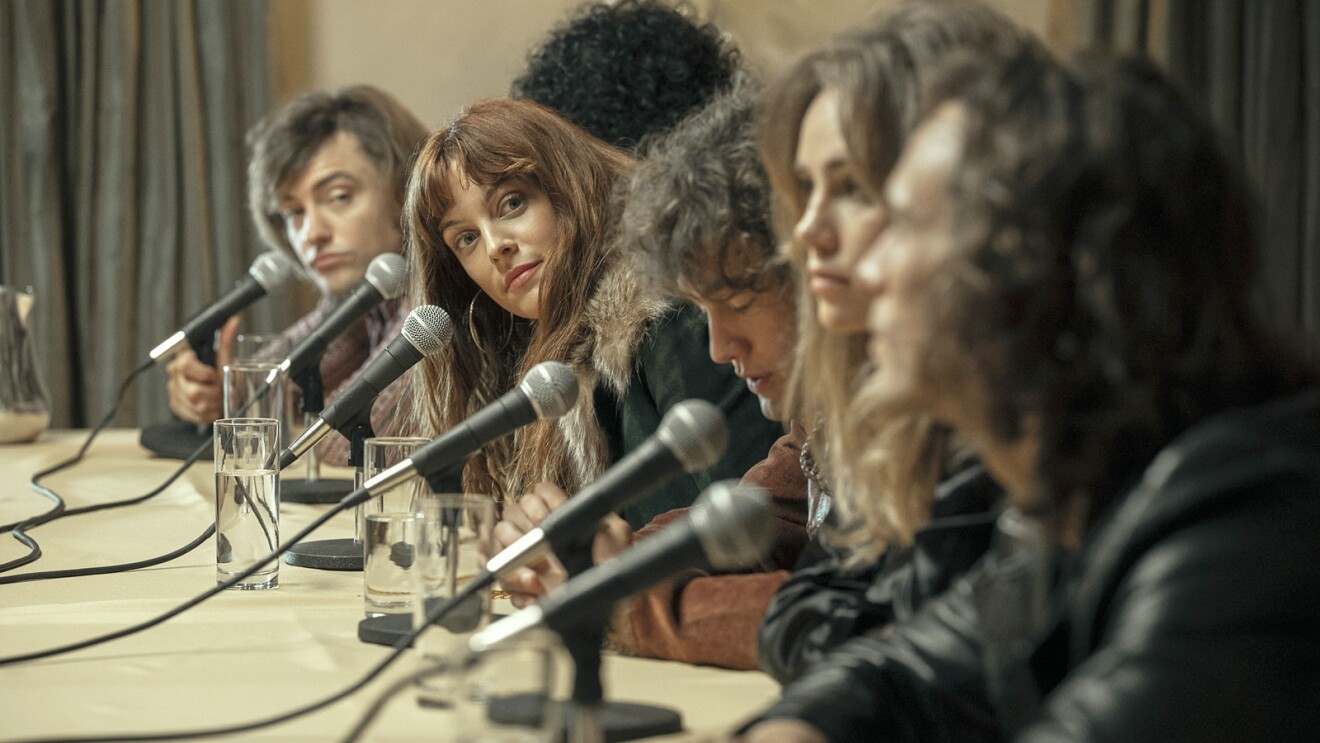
(248, 394)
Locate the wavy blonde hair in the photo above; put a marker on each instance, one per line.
(882, 471)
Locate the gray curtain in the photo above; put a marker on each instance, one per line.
(122, 180)
(1255, 66)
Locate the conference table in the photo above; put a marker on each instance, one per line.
(241, 656)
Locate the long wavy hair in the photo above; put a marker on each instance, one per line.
(882, 471)
(492, 142)
(1104, 270)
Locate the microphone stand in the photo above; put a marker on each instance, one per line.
(178, 439)
(589, 718)
(312, 489)
(388, 629)
(341, 553)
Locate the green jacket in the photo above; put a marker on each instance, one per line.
(672, 364)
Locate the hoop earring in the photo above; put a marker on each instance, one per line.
(472, 328)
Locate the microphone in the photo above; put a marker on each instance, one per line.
(730, 526)
(691, 437)
(426, 330)
(547, 391)
(270, 271)
(386, 278)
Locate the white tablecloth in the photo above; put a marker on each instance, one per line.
(241, 656)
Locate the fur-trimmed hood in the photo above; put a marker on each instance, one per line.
(617, 318)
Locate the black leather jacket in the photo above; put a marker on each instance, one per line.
(823, 604)
(1191, 613)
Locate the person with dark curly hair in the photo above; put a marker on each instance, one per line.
(627, 69)
(1066, 279)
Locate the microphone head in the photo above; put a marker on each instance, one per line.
(388, 272)
(733, 523)
(551, 387)
(273, 269)
(696, 432)
(428, 328)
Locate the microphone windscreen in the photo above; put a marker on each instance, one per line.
(696, 432)
(428, 328)
(551, 387)
(734, 524)
(388, 272)
(273, 269)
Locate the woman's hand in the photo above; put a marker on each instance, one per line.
(527, 584)
(195, 388)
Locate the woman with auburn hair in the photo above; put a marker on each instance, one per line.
(509, 225)
(831, 131)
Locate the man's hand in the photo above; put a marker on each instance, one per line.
(527, 584)
(195, 388)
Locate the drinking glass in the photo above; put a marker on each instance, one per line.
(515, 692)
(379, 454)
(388, 561)
(247, 500)
(452, 527)
(260, 347)
(249, 394)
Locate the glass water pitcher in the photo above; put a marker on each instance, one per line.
(23, 411)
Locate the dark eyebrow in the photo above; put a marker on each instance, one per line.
(490, 191)
(320, 182)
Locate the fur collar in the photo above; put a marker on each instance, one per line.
(616, 321)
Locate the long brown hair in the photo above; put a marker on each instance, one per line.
(1102, 280)
(492, 142)
(882, 472)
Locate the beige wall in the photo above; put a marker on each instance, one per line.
(437, 56)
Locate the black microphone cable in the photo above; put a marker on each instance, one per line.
(351, 499)
(18, 527)
(120, 567)
(395, 651)
(384, 698)
(730, 550)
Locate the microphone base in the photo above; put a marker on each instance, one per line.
(316, 491)
(618, 721)
(385, 630)
(326, 554)
(175, 439)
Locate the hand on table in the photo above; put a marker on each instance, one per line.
(195, 388)
(527, 584)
